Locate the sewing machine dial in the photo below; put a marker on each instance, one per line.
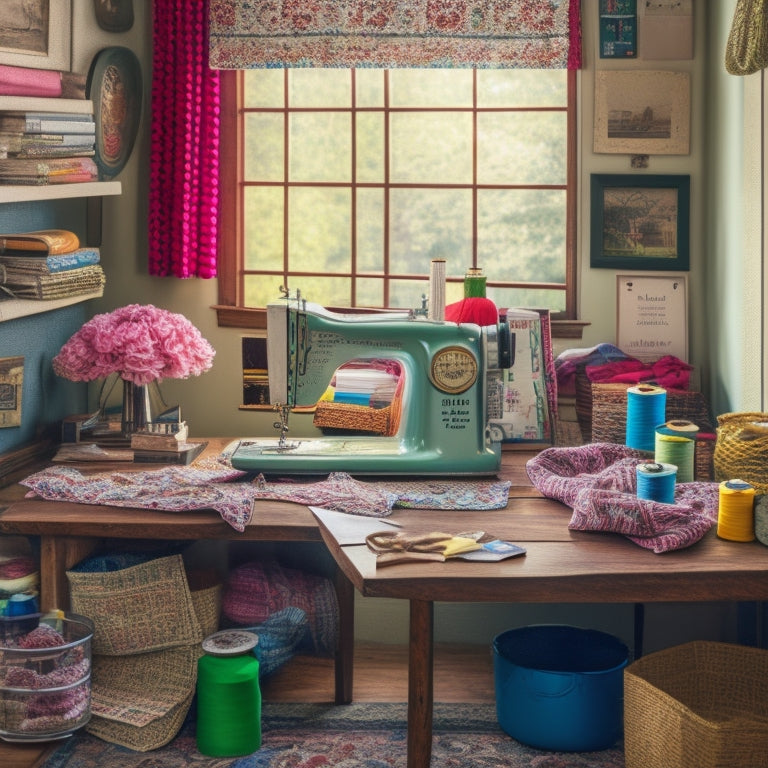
(453, 370)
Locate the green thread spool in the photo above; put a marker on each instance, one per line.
(228, 695)
(676, 444)
(474, 283)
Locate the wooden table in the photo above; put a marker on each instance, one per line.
(70, 532)
(560, 566)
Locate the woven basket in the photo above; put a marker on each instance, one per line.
(357, 418)
(698, 705)
(137, 609)
(609, 420)
(741, 450)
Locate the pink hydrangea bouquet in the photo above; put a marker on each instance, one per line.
(139, 342)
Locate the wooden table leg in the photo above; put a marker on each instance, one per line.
(57, 554)
(344, 666)
(420, 683)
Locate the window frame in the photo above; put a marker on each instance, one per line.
(230, 309)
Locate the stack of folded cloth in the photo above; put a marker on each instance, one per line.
(19, 570)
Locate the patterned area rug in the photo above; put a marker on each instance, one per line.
(352, 736)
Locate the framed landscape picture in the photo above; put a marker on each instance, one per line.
(642, 113)
(36, 34)
(640, 222)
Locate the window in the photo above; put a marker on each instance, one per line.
(345, 184)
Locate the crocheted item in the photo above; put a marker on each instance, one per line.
(599, 482)
(255, 591)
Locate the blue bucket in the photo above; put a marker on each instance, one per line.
(560, 687)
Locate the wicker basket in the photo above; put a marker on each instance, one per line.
(698, 705)
(609, 421)
(741, 450)
(357, 418)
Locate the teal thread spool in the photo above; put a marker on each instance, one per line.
(228, 695)
(656, 482)
(474, 283)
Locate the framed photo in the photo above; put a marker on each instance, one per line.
(652, 316)
(11, 383)
(36, 34)
(640, 222)
(642, 113)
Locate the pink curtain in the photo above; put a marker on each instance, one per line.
(184, 154)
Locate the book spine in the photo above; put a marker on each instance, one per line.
(35, 125)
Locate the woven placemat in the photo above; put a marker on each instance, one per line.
(142, 608)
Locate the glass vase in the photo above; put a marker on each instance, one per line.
(141, 402)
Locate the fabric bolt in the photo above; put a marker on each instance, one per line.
(185, 139)
(599, 483)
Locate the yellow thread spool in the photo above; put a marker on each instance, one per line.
(736, 517)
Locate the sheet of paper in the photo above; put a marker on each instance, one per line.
(351, 529)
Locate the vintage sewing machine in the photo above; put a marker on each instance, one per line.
(394, 393)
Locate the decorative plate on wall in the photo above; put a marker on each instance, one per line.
(115, 87)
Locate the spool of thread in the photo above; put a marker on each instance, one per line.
(436, 308)
(21, 604)
(646, 406)
(735, 515)
(474, 283)
(656, 482)
(676, 444)
(228, 695)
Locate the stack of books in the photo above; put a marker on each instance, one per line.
(49, 264)
(47, 148)
(165, 443)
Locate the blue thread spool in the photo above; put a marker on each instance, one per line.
(656, 482)
(21, 604)
(646, 406)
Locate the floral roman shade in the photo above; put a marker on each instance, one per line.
(541, 34)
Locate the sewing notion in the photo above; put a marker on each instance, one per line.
(394, 393)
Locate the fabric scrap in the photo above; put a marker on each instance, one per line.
(599, 482)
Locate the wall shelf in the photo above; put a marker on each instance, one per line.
(12, 309)
(24, 194)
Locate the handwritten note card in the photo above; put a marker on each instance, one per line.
(652, 316)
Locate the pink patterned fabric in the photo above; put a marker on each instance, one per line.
(599, 482)
(184, 153)
(395, 33)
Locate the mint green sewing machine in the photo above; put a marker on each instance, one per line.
(395, 393)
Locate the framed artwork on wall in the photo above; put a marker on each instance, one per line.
(36, 34)
(640, 222)
(642, 113)
(11, 385)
